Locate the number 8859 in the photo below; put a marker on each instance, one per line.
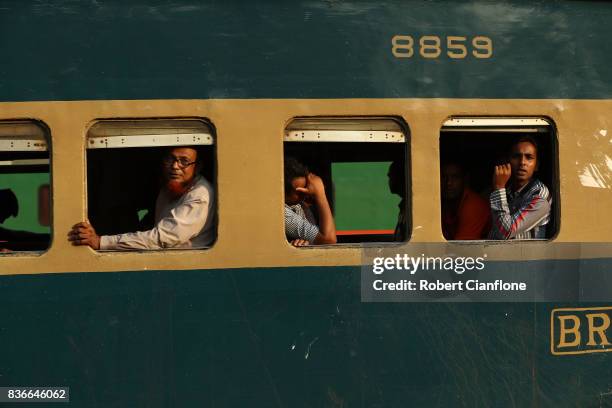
(430, 47)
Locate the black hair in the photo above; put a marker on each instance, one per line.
(527, 139)
(293, 170)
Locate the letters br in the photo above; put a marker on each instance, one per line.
(580, 330)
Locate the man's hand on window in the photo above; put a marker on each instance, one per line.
(84, 234)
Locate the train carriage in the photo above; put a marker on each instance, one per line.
(90, 93)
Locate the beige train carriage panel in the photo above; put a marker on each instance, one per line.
(249, 137)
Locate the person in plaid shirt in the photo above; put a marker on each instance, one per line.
(304, 190)
(520, 203)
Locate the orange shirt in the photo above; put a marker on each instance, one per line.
(471, 221)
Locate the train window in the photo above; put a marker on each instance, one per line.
(363, 165)
(482, 155)
(151, 183)
(24, 187)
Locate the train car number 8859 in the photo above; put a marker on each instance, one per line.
(431, 46)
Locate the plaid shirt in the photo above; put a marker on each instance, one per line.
(300, 223)
(521, 214)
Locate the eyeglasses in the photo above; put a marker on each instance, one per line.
(182, 162)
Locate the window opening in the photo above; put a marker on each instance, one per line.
(353, 156)
(25, 192)
(129, 190)
(470, 148)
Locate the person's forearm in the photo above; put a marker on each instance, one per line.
(500, 215)
(327, 227)
(131, 241)
(507, 225)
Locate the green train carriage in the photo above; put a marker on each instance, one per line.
(251, 320)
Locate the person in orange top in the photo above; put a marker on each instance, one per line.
(465, 215)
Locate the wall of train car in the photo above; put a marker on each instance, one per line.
(255, 321)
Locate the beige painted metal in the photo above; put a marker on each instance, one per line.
(250, 136)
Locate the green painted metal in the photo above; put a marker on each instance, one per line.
(362, 198)
(25, 186)
(287, 337)
(73, 50)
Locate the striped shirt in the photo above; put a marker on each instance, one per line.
(521, 214)
(300, 223)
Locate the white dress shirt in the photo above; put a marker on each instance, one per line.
(186, 222)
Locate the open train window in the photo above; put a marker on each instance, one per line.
(24, 187)
(522, 201)
(363, 163)
(142, 193)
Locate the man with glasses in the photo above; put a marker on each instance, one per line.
(184, 212)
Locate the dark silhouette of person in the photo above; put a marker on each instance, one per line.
(11, 240)
(9, 207)
(397, 185)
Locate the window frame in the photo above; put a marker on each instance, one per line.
(126, 133)
(356, 130)
(529, 125)
(30, 136)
